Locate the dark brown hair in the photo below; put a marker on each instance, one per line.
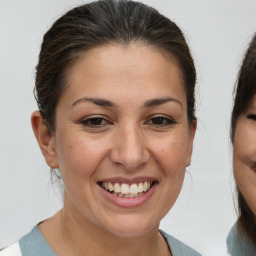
(103, 22)
(245, 90)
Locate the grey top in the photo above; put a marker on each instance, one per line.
(177, 247)
(238, 244)
(34, 244)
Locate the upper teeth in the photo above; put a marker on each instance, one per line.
(125, 189)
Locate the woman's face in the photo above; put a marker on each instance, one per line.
(244, 154)
(122, 138)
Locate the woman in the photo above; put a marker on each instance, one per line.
(115, 90)
(242, 237)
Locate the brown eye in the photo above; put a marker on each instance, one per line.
(94, 122)
(161, 121)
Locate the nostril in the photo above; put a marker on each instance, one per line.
(129, 150)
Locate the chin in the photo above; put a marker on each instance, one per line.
(132, 227)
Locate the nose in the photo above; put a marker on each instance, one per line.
(129, 148)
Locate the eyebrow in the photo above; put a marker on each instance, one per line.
(96, 101)
(160, 101)
(107, 103)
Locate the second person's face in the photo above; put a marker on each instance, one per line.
(244, 154)
(122, 138)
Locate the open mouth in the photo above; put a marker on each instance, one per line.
(124, 190)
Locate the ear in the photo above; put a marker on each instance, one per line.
(192, 132)
(45, 139)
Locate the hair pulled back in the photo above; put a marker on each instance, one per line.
(245, 90)
(105, 22)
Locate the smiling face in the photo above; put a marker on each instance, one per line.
(122, 139)
(244, 154)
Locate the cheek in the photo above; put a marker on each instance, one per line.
(245, 141)
(171, 153)
(79, 155)
(244, 163)
(246, 182)
(240, 163)
(244, 152)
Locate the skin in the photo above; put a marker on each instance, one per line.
(130, 142)
(244, 154)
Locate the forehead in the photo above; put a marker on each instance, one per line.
(115, 56)
(125, 69)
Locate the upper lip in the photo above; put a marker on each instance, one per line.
(128, 180)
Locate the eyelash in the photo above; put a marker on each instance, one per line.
(99, 122)
(252, 117)
(166, 121)
(89, 122)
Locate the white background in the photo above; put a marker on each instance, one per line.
(217, 32)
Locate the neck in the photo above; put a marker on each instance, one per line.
(91, 239)
(70, 234)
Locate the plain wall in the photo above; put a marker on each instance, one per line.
(217, 32)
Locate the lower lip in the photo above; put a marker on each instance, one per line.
(128, 202)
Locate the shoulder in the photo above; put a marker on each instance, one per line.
(32, 244)
(177, 247)
(12, 250)
(238, 244)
